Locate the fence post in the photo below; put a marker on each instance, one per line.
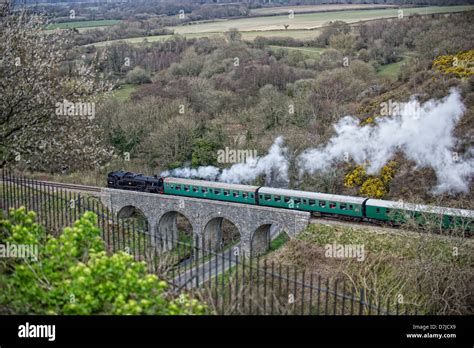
(361, 302)
(302, 293)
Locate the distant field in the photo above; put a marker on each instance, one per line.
(83, 24)
(308, 51)
(308, 21)
(136, 40)
(303, 34)
(273, 26)
(312, 8)
(246, 35)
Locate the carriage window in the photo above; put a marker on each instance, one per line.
(178, 187)
(261, 196)
(312, 202)
(343, 206)
(217, 192)
(268, 197)
(277, 198)
(351, 207)
(204, 190)
(297, 201)
(186, 188)
(226, 193)
(251, 195)
(322, 204)
(195, 189)
(287, 199)
(378, 210)
(388, 211)
(245, 195)
(332, 205)
(236, 194)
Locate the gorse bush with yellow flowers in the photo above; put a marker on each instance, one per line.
(370, 185)
(460, 65)
(72, 274)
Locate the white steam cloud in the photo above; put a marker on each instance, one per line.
(424, 133)
(424, 136)
(274, 166)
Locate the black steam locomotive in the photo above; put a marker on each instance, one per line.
(136, 182)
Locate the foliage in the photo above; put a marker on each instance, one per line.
(343, 42)
(370, 185)
(460, 65)
(335, 28)
(437, 280)
(373, 187)
(204, 153)
(37, 77)
(356, 177)
(74, 275)
(138, 76)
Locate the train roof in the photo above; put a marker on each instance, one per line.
(420, 207)
(312, 195)
(212, 184)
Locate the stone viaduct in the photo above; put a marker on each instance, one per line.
(257, 225)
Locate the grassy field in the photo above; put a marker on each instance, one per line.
(247, 35)
(124, 92)
(308, 21)
(419, 266)
(83, 24)
(284, 10)
(303, 27)
(391, 70)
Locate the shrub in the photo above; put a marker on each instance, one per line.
(373, 187)
(370, 185)
(459, 65)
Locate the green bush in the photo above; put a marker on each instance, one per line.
(138, 76)
(74, 275)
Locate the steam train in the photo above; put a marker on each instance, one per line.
(321, 204)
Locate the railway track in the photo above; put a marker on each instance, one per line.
(55, 185)
(315, 219)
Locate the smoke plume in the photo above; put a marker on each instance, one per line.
(274, 166)
(423, 133)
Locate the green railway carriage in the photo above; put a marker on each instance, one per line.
(211, 190)
(337, 205)
(311, 201)
(399, 212)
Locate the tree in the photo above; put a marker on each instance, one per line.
(334, 28)
(233, 35)
(204, 152)
(343, 42)
(138, 76)
(46, 112)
